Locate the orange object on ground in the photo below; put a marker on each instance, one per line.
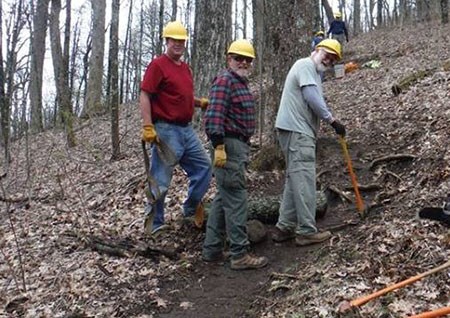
(361, 301)
(351, 66)
(359, 201)
(441, 312)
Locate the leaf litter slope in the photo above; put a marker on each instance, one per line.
(79, 194)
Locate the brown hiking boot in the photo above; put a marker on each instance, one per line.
(216, 258)
(281, 236)
(248, 261)
(314, 238)
(199, 216)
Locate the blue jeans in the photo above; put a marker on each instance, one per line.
(192, 158)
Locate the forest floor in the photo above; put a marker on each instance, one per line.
(71, 236)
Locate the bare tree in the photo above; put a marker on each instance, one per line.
(210, 43)
(113, 78)
(328, 10)
(286, 32)
(444, 11)
(174, 10)
(126, 52)
(61, 68)
(161, 25)
(38, 35)
(93, 101)
(14, 68)
(3, 102)
(356, 17)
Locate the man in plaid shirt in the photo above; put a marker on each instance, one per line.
(229, 124)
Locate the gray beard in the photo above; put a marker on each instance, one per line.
(243, 73)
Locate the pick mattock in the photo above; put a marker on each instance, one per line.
(359, 201)
(346, 306)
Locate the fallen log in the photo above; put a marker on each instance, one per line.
(409, 80)
(267, 209)
(126, 248)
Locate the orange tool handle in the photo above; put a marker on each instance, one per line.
(433, 314)
(359, 201)
(361, 301)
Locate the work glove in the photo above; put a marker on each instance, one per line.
(220, 156)
(149, 133)
(339, 128)
(204, 102)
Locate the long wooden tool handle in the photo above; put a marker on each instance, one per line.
(361, 301)
(441, 312)
(359, 201)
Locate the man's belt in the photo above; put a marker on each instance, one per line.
(173, 122)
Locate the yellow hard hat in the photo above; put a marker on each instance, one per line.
(242, 47)
(331, 46)
(337, 15)
(319, 33)
(175, 30)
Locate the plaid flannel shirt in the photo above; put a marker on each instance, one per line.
(231, 108)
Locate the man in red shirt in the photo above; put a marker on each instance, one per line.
(167, 106)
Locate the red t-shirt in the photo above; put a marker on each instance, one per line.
(171, 90)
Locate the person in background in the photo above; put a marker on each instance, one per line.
(317, 38)
(229, 123)
(302, 106)
(338, 29)
(167, 107)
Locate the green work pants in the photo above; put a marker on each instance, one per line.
(298, 206)
(227, 217)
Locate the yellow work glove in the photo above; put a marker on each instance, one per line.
(149, 133)
(204, 102)
(220, 156)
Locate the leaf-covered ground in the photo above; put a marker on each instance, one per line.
(59, 204)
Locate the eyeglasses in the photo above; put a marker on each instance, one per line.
(241, 58)
(331, 57)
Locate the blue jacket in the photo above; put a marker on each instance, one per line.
(316, 40)
(338, 27)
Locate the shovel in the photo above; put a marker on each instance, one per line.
(165, 153)
(359, 201)
(152, 193)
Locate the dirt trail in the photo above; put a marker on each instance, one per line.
(214, 290)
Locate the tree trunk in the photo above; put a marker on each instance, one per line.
(3, 102)
(18, 21)
(114, 78)
(61, 68)
(444, 11)
(287, 32)
(123, 95)
(93, 102)
(174, 10)
(356, 17)
(328, 11)
(379, 13)
(210, 43)
(258, 30)
(37, 61)
(161, 26)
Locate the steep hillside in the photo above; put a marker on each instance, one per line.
(62, 207)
